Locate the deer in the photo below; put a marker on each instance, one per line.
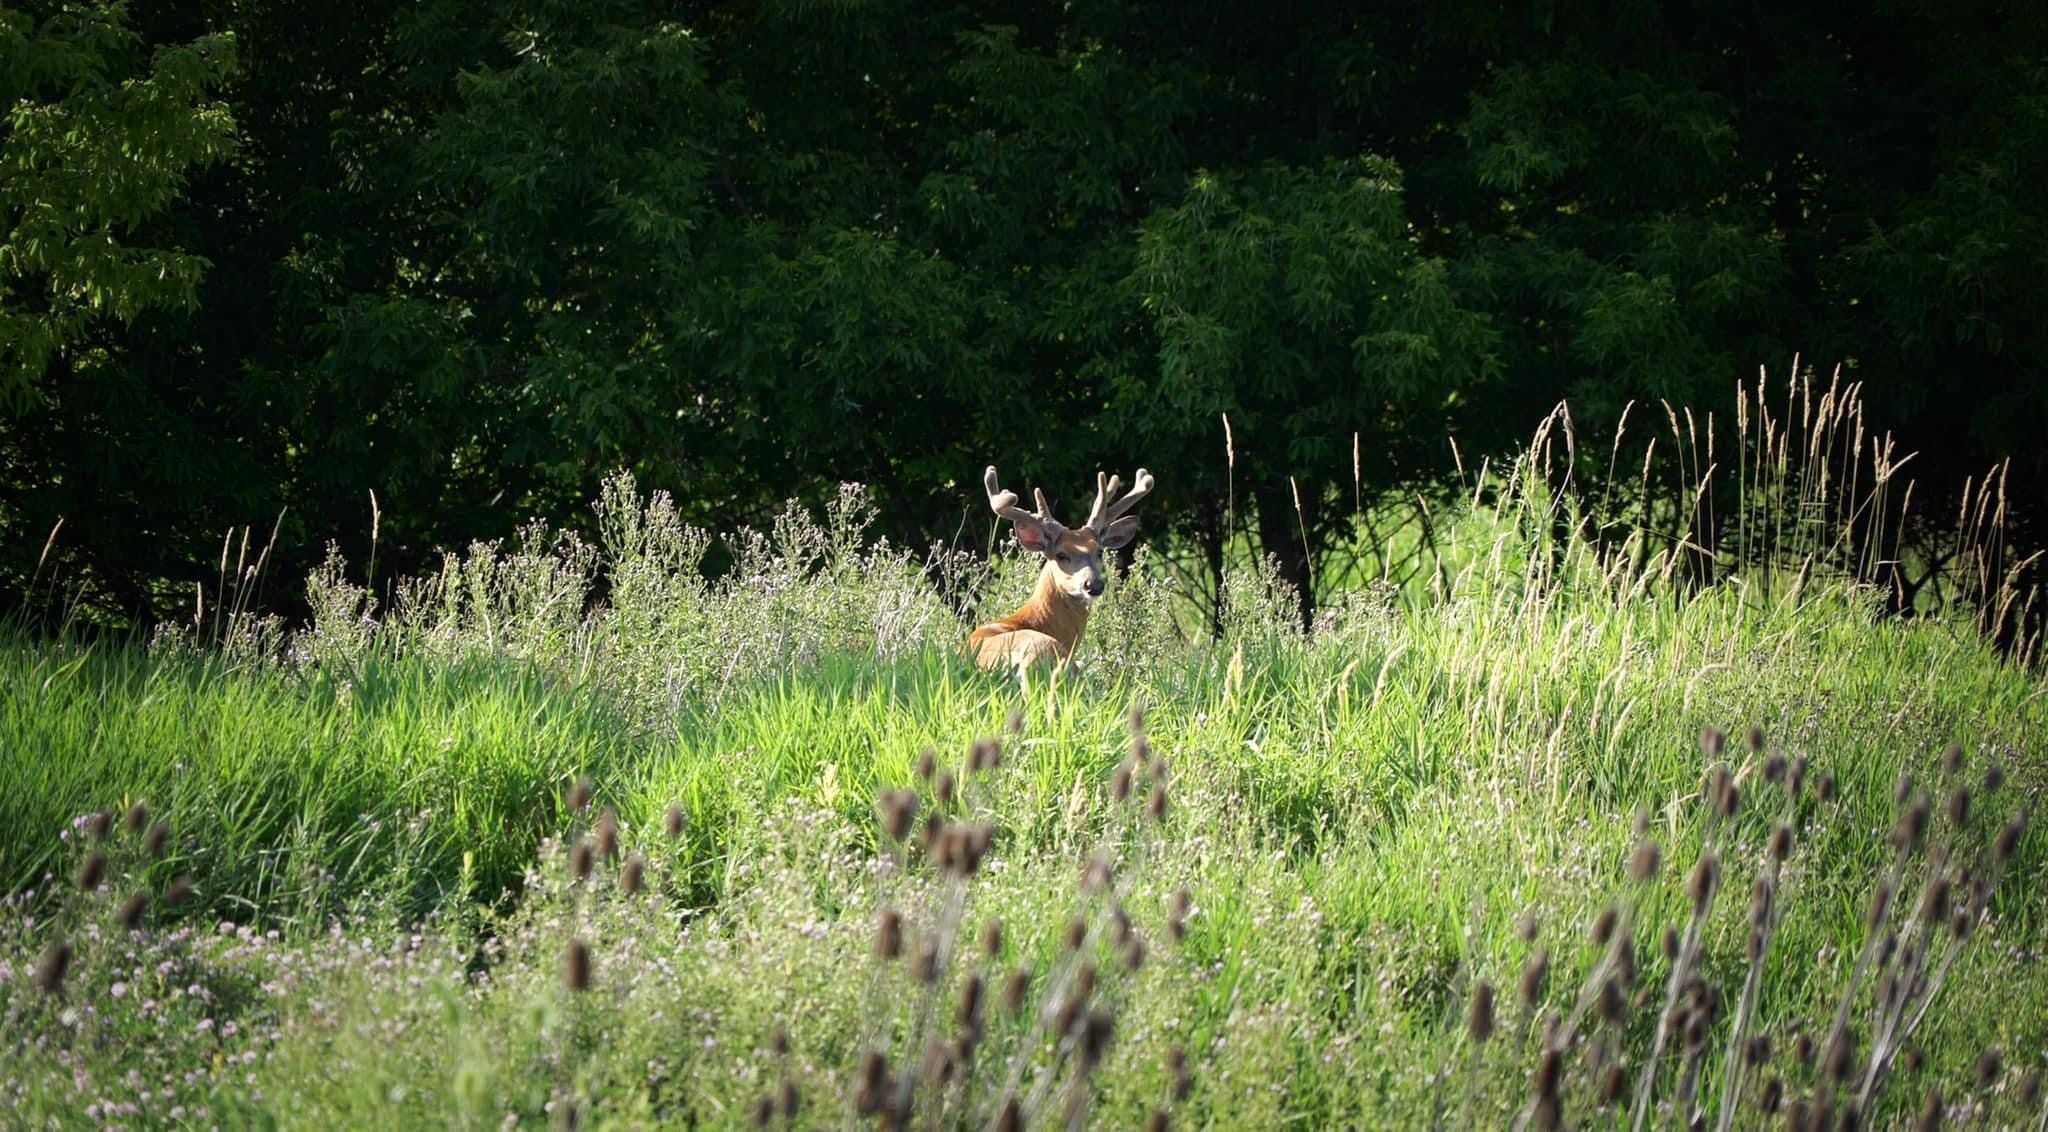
(1045, 629)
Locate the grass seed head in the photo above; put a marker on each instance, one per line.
(576, 966)
(1644, 863)
(1603, 925)
(52, 967)
(91, 870)
(1479, 1014)
(1535, 973)
(889, 934)
(1990, 1064)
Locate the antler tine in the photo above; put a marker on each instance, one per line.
(1108, 508)
(1004, 503)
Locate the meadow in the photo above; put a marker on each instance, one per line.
(569, 834)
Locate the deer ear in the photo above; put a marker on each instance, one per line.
(1120, 532)
(1033, 538)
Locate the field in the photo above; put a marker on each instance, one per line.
(1553, 842)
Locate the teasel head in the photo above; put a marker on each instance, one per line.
(1952, 760)
(2008, 841)
(1841, 1053)
(1133, 954)
(1795, 776)
(1613, 1003)
(969, 1015)
(1535, 973)
(1159, 1121)
(1120, 782)
(180, 890)
(1015, 988)
(1912, 828)
(1479, 1013)
(154, 841)
(137, 819)
(1757, 1051)
(1902, 788)
(871, 1083)
(1613, 1083)
(984, 755)
(1781, 842)
(1716, 785)
(889, 934)
(580, 793)
(927, 764)
(1177, 913)
(1603, 925)
(91, 870)
(992, 937)
(1772, 1096)
(789, 1100)
(674, 821)
(1713, 741)
(763, 1111)
(1549, 1069)
(1825, 788)
(53, 966)
(778, 1041)
(1989, 1065)
(1760, 903)
(633, 875)
(1094, 874)
(1934, 903)
(1931, 1113)
(1527, 926)
(1753, 738)
(943, 787)
(1704, 882)
(129, 917)
(582, 858)
(1096, 1030)
(1645, 861)
(924, 965)
(1994, 777)
(576, 966)
(897, 808)
(1774, 769)
(1155, 804)
(1729, 800)
(99, 823)
(1880, 907)
(608, 833)
(1667, 941)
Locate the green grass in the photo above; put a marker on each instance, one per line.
(1361, 816)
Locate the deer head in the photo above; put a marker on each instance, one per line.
(1073, 555)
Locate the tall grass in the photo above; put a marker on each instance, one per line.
(403, 917)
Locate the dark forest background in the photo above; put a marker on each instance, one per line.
(263, 258)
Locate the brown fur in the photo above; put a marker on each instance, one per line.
(1045, 628)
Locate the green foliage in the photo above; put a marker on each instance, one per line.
(103, 131)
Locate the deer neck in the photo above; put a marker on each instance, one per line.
(1053, 611)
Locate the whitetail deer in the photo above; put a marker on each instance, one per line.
(1047, 627)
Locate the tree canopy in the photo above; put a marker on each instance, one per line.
(264, 259)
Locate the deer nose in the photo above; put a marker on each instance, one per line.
(1095, 586)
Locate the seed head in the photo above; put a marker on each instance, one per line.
(1548, 1070)
(576, 966)
(1603, 925)
(1930, 1113)
(873, 1082)
(1912, 827)
(1902, 789)
(1773, 1096)
(1668, 941)
(633, 876)
(1643, 865)
(2008, 841)
(1613, 1003)
(778, 1041)
(1535, 973)
(153, 842)
(1094, 875)
(50, 970)
(1757, 1050)
(1526, 927)
(1781, 842)
(1011, 1118)
(1880, 907)
(889, 934)
(608, 833)
(581, 859)
(1713, 741)
(1802, 1049)
(1934, 904)
(1729, 800)
(1120, 782)
(1841, 1054)
(2030, 1088)
(98, 824)
(1775, 768)
(1015, 723)
(1704, 883)
(1716, 785)
(1825, 789)
(788, 1100)
(763, 1111)
(91, 870)
(1795, 776)
(1096, 1030)
(1155, 806)
(927, 764)
(925, 964)
(1158, 1121)
(1989, 1065)
(674, 820)
(1760, 903)
(943, 787)
(179, 891)
(1994, 777)
(1479, 1017)
(970, 1002)
(580, 793)
(1613, 1083)
(984, 755)
(1952, 760)
(137, 819)
(130, 915)
(1015, 987)
(992, 937)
